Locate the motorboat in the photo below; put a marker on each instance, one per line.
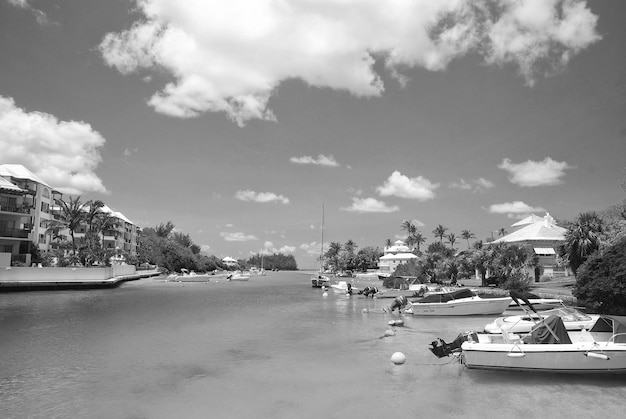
(572, 319)
(408, 286)
(320, 280)
(238, 276)
(343, 287)
(538, 302)
(461, 302)
(548, 347)
(186, 275)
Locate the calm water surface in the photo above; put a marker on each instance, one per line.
(272, 347)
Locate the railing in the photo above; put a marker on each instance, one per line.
(14, 232)
(18, 209)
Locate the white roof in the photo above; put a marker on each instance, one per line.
(401, 256)
(6, 185)
(528, 220)
(544, 230)
(229, 259)
(20, 172)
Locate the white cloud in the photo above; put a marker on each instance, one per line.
(532, 173)
(321, 160)
(269, 248)
(205, 45)
(41, 17)
(515, 209)
(205, 248)
(369, 205)
(402, 186)
(130, 151)
(65, 154)
(476, 185)
(262, 197)
(237, 236)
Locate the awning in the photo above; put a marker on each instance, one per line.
(544, 251)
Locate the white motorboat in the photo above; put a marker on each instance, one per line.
(343, 287)
(462, 302)
(537, 302)
(549, 347)
(238, 276)
(191, 276)
(572, 319)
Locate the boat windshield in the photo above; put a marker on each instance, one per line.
(448, 296)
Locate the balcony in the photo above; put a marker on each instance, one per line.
(14, 233)
(16, 209)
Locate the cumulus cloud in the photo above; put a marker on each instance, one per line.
(515, 209)
(370, 205)
(535, 173)
(402, 186)
(262, 197)
(237, 236)
(269, 247)
(206, 45)
(65, 154)
(476, 185)
(321, 160)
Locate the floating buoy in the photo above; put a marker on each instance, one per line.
(325, 294)
(398, 358)
(389, 332)
(365, 310)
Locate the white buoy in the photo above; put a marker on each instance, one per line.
(325, 294)
(398, 358)
(365, 310)
(389, 332)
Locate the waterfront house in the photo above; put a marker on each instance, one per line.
(393, 256)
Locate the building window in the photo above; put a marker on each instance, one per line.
(45, 207)
(46, 193)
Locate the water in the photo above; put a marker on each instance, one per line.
(272, 347)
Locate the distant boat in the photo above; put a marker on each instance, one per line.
(238, 276)
(343, 287)
(320, 280)
(190, 276)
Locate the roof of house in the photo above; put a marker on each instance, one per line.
(403, 256)
(544, 230)
(7, 186)
(20, 172)
(532, 218)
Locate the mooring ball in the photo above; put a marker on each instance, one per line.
(325, 294)
(398, 358)
(365, 310)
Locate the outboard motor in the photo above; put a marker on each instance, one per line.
(441, 348)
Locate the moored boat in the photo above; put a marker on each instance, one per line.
(549, 347)
(572, 320)
(462, 302)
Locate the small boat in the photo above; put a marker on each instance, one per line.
(190, 276)
(343, 287)
(548, 347)
(572, 319)
(238, 276)
(462, 302)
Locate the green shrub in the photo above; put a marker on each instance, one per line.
(518, 281)
(601, 281)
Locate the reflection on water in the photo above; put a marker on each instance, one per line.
(272, 347)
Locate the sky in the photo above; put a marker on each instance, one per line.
(243, 122)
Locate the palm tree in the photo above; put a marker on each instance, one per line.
(71, 216)
(451, 239)
(95, 209)
(334, 248)
(411, 230)
(467, 235)
(388, 243)
(583, 238)
(440, 232)
(419, 239)
(502, 232)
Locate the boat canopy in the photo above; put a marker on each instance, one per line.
(447, 296)
(550, 330)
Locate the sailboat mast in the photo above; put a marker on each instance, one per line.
(322, 244)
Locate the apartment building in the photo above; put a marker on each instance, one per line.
(27, 203)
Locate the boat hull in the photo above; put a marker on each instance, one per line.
(475, 306)
(577, 358)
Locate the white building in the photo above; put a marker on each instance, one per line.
(230, 262)
(393, 256)
(544, 236)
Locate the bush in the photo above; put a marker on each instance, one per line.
(601, 281)
(518, 281)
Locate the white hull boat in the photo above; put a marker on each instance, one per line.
(548, 348)
(342, 287)
(572, 319)
(461, 302)
(238, 276)
(537, 302)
